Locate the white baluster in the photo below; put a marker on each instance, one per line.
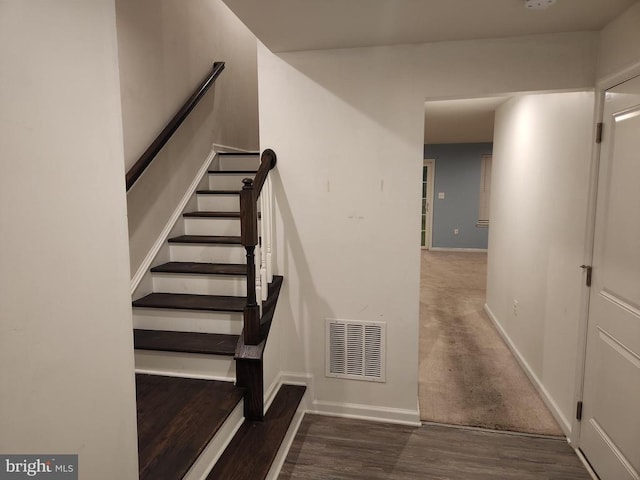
(269, 229)
(258, 286)
(262, 272)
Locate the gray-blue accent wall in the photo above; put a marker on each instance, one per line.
(458, 177)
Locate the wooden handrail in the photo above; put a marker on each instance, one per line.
(268, 160)
(249, 239)
(150, 153)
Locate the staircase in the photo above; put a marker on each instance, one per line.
(199, 378)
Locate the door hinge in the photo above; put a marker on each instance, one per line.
(579, 411)
(599, 128)
(589, 270)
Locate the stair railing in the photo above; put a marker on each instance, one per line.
(258, 276)
(150, 153)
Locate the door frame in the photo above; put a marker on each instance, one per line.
(430, 163)
(601, 89)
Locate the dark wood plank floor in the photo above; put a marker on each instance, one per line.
(176, 419)
(338, 448)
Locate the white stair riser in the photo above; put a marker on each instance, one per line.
(228, 181)
(200, 284)
(228, 323)
(219, 203)
(212, 226)
(178, 363)
(180, 252)
(239, 162)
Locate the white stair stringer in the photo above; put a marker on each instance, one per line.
(182, 364)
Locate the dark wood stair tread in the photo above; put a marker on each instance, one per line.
(211, 214)
(207, 239)
(239, 154)
(177, 417)
(197, 268)
(186, 301)
(188, 342)
(218, 192)
(252, 450)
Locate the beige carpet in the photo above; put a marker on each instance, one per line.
(468, 376)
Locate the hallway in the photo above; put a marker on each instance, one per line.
(468, 376)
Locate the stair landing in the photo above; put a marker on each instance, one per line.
(177, 417)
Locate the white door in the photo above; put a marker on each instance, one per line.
(610, 435)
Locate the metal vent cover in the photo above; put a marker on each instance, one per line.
(356, 350)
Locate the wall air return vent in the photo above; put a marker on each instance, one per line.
(356, 350)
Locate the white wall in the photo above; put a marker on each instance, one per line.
(619, 46)
(539, 198)
(66, 353)
(347, 126)
(166, 48)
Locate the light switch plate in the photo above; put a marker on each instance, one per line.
(440, 195)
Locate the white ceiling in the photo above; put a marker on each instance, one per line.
(291, 25)
(288, 25)
(461, 121)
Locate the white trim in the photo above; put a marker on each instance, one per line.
(219, 148)
(619, 77)
(197, 376)
(445, 249)
(366, 412)
(564, 423)
(175, 216)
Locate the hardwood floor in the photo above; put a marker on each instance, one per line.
(177, 417)
(339, 448)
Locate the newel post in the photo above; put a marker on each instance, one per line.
(249, 239)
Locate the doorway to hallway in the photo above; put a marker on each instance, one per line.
(467, 374)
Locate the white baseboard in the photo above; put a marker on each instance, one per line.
(564, 423)
(343, 409)
(175, 216)
(445, 249)
(366, 412)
